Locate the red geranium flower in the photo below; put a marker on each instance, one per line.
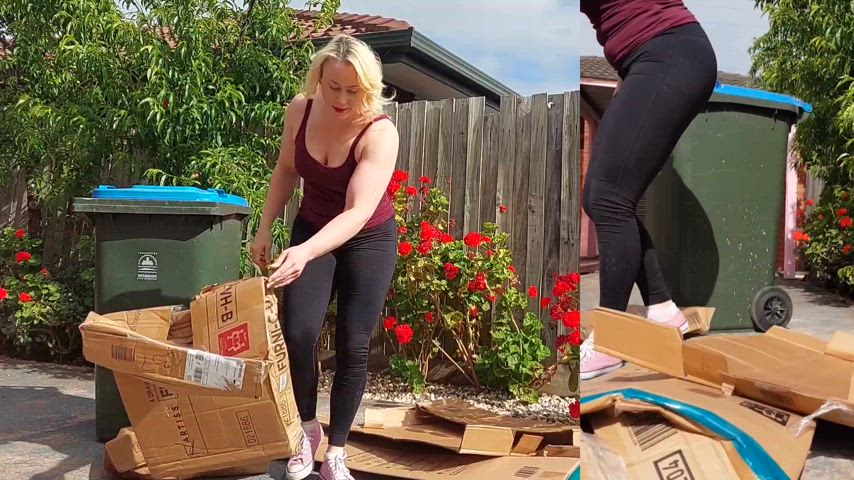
(401, 176)
(846, 249)
(575, 409)
(404, 249)
(512, 269)
(810, 202)
(403, 333)
(25, 297)
(403, 230)
(4, 294)
(22, 257)
(502, 208)
(842, 212)
(446, 238)
(44, 272)
(474, 311)
(424, 248)
(428, 317)
(426, 179)
(394, 187)
(389, 323)
(473, 239)
(845, 222)
(20, 233)
(532, 291)
(572, 320)
(411, 191)
(451, 271)
(545, 302)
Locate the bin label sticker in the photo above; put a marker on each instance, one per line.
(234, 341)
(212, 370)
(146, 266)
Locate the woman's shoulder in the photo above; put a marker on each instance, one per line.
(295, 109)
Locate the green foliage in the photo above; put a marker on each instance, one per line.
(189, 92)
(463, 290)
(828, 239)
(40, 311)
(409, 371)
(808, 52)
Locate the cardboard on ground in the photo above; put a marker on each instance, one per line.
(782, 368)
(124, 458)
(657, 442)
(369, 454)
(187, 428)
(462, 428)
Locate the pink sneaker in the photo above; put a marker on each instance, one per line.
(301, 464)
(335, 468)
(595, 364)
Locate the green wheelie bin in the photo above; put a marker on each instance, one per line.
(156, 246)
(714, 212)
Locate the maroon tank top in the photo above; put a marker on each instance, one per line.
(325, 188)
(624, 25)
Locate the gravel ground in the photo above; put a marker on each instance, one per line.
(383, 387)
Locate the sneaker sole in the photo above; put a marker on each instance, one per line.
(300, 475)
(601, 371)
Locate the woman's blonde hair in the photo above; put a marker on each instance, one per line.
(368, 70)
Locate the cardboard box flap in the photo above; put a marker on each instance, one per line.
(464, 413)
(763, 437)
(793, 370)
(123, 451)
(650, 345)
(841, 345)
(374, 456)
(109, 342)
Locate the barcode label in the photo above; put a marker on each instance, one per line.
(526, 472)
(650, 429)
(214, 370)
(125, 354)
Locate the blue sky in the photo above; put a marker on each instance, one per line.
(731, 25)
(534, 50)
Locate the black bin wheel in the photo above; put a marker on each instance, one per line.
(771, 306)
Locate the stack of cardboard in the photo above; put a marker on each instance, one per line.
(713, 407)
(454, 439)
(208, 393)
(220, 406)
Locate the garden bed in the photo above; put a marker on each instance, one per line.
(387, 388)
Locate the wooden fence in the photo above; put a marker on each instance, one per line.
(525, 157)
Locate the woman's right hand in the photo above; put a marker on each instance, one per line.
(261, 246)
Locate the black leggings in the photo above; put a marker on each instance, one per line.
(360, 272)
(665, 84)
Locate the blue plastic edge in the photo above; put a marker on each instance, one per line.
(167, 193)
(759, 461)
(576, 475)
(763, 95)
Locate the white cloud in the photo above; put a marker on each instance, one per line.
(530, 46)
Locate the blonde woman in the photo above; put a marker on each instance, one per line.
(344, 238)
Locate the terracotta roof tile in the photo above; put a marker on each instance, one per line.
(598, 68)
(349, 23)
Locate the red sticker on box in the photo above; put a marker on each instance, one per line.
(234, 341)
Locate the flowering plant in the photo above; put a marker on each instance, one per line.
(827, 240)
(37, 309)
(459, 298)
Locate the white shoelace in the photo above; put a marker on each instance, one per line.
(587, 348)
(339, 468)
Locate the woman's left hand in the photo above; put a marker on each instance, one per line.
(289, 266)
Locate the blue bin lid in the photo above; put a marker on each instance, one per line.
(762, 98)
(156, 193)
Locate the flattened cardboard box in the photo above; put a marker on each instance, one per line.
(464, 429)
(371, 455)
(135, 342)
(783, 368)
(657, 440)
(184, 432)
(123, 458)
